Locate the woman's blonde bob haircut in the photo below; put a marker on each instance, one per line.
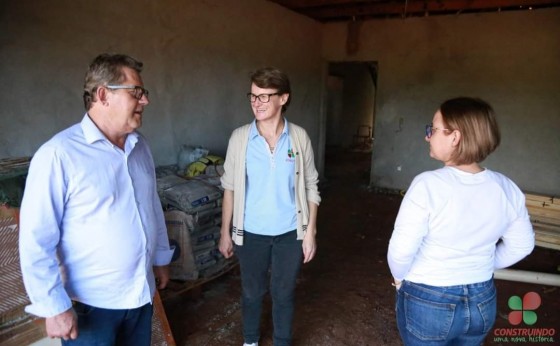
(475, 120)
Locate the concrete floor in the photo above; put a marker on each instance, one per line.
(344, 296)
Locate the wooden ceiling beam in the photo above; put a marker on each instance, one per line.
(295, 4)
(349, 9)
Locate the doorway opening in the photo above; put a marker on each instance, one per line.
(350, 119)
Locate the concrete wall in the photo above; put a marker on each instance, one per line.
(197, 58)
(198, 54)
(511, 59)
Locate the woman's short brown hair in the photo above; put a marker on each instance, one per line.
(273, 78)
(475, 120)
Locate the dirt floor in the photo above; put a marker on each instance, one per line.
(344, 296)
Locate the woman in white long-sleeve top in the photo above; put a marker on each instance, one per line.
(455, 226)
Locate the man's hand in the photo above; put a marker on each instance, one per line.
(162, 276)
(64, 325)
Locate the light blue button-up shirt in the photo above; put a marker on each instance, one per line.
(91, 225)
(270, 207)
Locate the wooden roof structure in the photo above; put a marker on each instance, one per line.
(345, 10)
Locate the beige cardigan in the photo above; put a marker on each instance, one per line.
(306, 177)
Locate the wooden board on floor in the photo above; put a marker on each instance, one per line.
(544, 212)
(161, 331)
(18, 328)
(31, 329)
(175, 288)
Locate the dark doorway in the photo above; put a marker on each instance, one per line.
(350, 119)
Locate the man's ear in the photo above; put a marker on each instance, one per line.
(102, 95)
(285, 98)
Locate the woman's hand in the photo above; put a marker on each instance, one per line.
(309, 245)
(226, 245)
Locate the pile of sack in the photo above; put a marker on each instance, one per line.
(192, 200)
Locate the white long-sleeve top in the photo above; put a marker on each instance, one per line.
(456, 228)
(91, 225)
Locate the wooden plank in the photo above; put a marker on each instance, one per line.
(548, 213)
(546, 227)
(544, 222)
(543, 205)
(32, 329)
(175, 288)
(13, 297)
(547, 236)
(542, 198)
(161, 331)
(24, 332)
(547, 245)
(18, 328)
(544, 212)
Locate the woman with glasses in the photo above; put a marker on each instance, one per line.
(270, 205)
(455, 226)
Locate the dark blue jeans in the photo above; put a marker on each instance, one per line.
(283, 255)
(451, 315)
(107, 327)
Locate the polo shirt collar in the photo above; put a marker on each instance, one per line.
(254, 132)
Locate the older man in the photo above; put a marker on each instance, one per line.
(93, 241)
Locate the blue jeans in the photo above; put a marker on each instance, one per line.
(107, 327)
(451, 315)
(283, 255)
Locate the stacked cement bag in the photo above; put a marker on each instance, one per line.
(193, 212)
(188, 195)
(196, 245)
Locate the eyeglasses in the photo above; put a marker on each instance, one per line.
(430, 130)
(264, 98)
(137, 92)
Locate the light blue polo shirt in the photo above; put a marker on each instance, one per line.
(270, 205)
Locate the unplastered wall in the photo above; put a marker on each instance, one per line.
(510, 59)
(197, 58)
